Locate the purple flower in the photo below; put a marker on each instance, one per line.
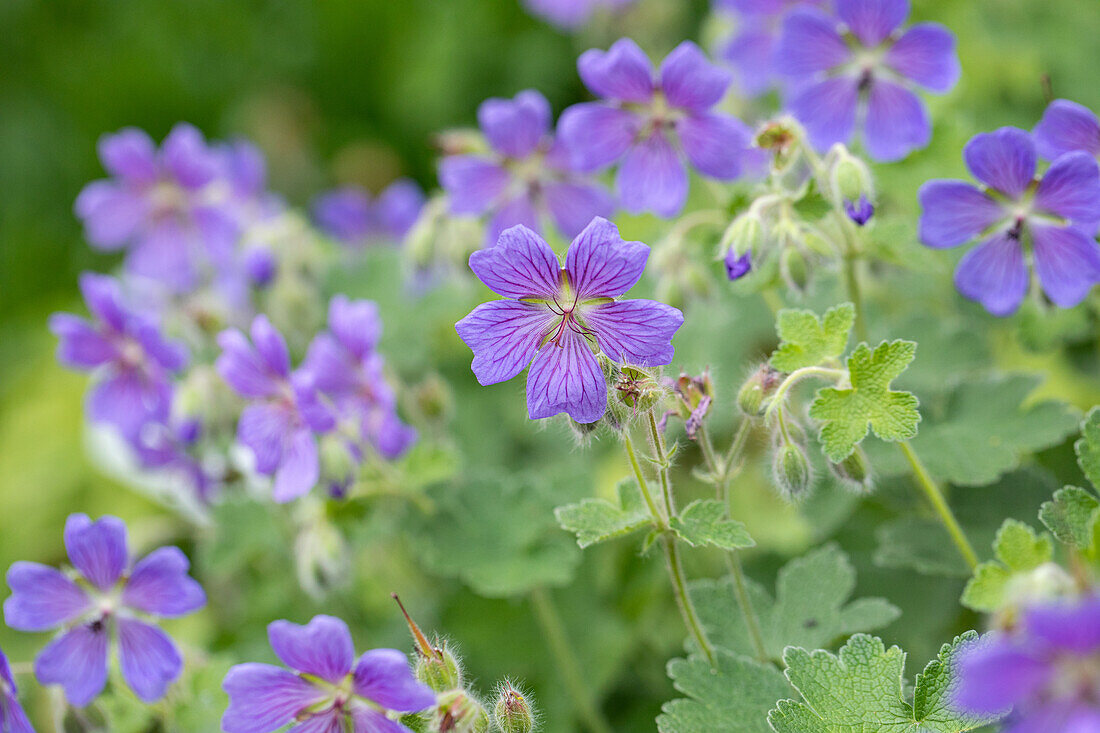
(737, 266)
(349, 215)
(1067, 127)
(328, 691)
(859, 68)
(164, 207)
(1046, 670)
(108, 596)
(12, 717)
(1053, 216)
(132, 359)
(552, 316)
(860, 211)
(285, 412)
(650, 122)
(168, 447)
(751, 50)
(571, 14)
(526, 177)
(344, 364)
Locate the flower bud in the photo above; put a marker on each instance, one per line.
(743, 236)
(737, 266)
(261, 266)
(433, 398)
(458, 712)
(436, 665)
(338, 464)
(859, 211)
(757, 389)
(792, 471)
(849, 176)
(782, 138)
(854, 471)
(512, 712)
(792, 266)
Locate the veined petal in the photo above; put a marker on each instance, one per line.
(1067, 262)
(994, 274)
(690, 81)
(159, 585)
(383, 676)
(271, 346)
(521, 265)
(299, 469)
(653, 178)
(130, 154)
(330, 721)
(76, 660)
(149, 660)
(264, 698)
(596, 135)
(265, 429)
(601, 264)
(519, 210)
(871, 21)
(473, 184)
(372, 721)
(925, 54)
(573, 205)
(504, 336)
(323, 647)
(623, 72)
(1071, 188)
(80, 345)
(42, 598)
(514, 127)
(828, 110)
(97, 549)
(953, 212)
(809, 44)
(1003, 160)
(896, 124)
(1066, 127)
(715, 143)
(565, 377)
(241, 366)
(637, 332)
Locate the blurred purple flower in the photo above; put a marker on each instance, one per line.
(651, 122)
(751, 50)
(127, 351)
(1055, 214)
(571, 14)
(166, 207)
(1045, 670)
(552, 316)
(328, 689)
(858, 67)
(285, 411)
(344, 364)
(349, 215)
(111, 597)
(12, 717)
(168, 447)
(1067, 127)
(526, 177)
(860, 211)
(738, 266)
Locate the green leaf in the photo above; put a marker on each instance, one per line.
(704, 522)
(1019, 549)
(806, 340)
(599, 520)
(1088, 447)
(846, 414)
(811, 606)
(861, 689)
(1071, 516)
(733, 697)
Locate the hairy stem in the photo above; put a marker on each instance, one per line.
(643, 485)
(662, 464)
(566, 661)
(935, 496)
(851, 284)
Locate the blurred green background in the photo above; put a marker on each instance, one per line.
(352, 90)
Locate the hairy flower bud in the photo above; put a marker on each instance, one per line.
(792, 266)
(854, 471)
(849, 177)
(792, 471)
(757, 389)
(433, 398)
(743, 236)
(512, 711)
(437, 666)
(458, 712)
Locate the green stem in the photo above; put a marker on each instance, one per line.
(851, 284)
(935, 496)
(568, 666)
(752, 622)
(776, 403)
(683, 600)
(643, 485)
(662, 464)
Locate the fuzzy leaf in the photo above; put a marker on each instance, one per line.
(599, 520)
(811, 606)
(733, 697)
(1071, 516)
(704, 522)
(1019, 549)
(806, 340)
(861, 689)
(1088, 447)
(847, 414)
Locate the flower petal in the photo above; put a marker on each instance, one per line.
(265, 429)
(76, 660)
(809, 43)
(514, 127)
(398, 207)
(344, 213)
(994, 274)
(623, 72)
(715, 143)
(80, 345)
(565, 377)
(103, 296)
(637, 332)
(828, 110)
(372, 721)
(383, 676)
(896, 124)
(149, 660)
(129, 400)
(504, 336)
(596, 135)
(1003, 160)
(42, 598)
(299, 468)
(1071, 188)
(601, 265)
(573, 205)
(690, 81)
(112, 215)
(263, 698)
(355, 323)
(993, 674)
(1066, 127)
(953, 212)
(925, 54)
(473, 184)
(521, 265)
(752, 54)
(271, 346)
(322, 648)
(519, 210)
(130, 154)
(241, 366)
(871, 21)
(185, 153)
(97, 549)
(1067, 262)
(1067, 626)
(330, 721)
(159, 585)
(652, 178)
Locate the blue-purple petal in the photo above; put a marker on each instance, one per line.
(263, 698)
(871, 21)
(344, 213)
(98, 550)
(149, 660)
(896, 122)
(76, 660)
(504, 336)
(241, 366)
(515, 127)
(1067, 626)
(187, 157)
(993, 674)
(1071, 188)
(129, 154)
(159, 585)
(827, 109)
(1003, 159)
(42, 598)
(601, 264)
(994, 274)
(299, 467)
(809, 44)
(623, 72)
(714, 143)
(520, 265)
(517, 210)
(112, 214)
(1066, 127)
(953, 212)
(925, 55)
(473, 184)
(383, 676)
(596, 135)
(355, 323)
(573, 205)
(322, 647)
(79, 344)
(1067, 262)
(565, 377)
(690, 81)
(652, 177)
(637, 332)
